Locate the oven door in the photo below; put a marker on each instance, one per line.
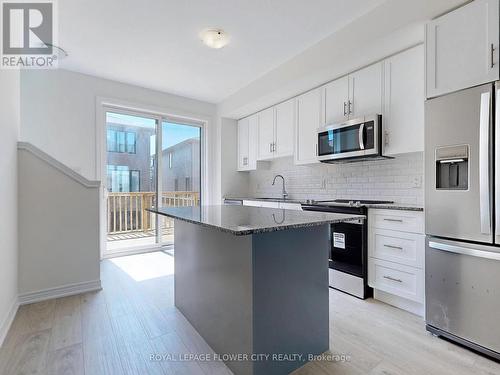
(355, 138)
(346, 253)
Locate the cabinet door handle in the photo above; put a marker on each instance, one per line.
(492, 53)
(393, 279)
(345, 109)
(394, 220)
(270, 147)
(393, 247)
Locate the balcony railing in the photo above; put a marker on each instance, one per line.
(127, 211)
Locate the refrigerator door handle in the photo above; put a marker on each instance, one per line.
(484, 163)
(497, 162)
(464, 250)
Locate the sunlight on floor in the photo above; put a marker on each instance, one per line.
(146, 266)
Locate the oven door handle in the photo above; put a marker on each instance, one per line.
(361, 134)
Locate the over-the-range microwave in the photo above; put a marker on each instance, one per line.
(354, 140)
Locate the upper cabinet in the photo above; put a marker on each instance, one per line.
(276, 129)
(247, 143)
(358, 94)
(266, 134)
(337, 101)
(462, 48)
(403, 115)
(284, 128)
(365, 91)
(309, 119)
(393, 87)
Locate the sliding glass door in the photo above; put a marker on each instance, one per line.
(130, 181)
(180, 167)
(138, 178)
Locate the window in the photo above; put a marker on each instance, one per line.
(188, 184)
(121, 141)
(176, 184)
(121, 179)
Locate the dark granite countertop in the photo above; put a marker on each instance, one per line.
(396, 206)
(392, 206)
(244, 220)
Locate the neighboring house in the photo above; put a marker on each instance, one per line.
(181, 166)
(129, 163)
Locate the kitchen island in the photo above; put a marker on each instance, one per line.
(254, 282)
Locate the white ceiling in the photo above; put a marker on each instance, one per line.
(155, 43)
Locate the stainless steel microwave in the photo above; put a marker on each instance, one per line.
(355, 139)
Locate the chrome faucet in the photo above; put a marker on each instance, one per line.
(283, 193)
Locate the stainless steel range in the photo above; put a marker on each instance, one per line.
(349, 247)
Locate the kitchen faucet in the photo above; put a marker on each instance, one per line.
(283, 193)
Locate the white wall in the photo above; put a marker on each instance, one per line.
(59, 114)
(59, 236)
(9, 125)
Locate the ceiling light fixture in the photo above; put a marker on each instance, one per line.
(214, 38)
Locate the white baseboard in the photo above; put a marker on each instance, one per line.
(7, 321)
(62, 291)
(399, 302)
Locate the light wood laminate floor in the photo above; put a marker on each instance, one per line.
(115, 331)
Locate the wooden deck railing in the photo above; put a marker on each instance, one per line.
(127, 211)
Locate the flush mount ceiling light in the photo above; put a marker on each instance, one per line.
(214, 38)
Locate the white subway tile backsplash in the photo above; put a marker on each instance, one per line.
(399, 179)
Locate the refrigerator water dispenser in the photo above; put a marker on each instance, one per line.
(452, 167)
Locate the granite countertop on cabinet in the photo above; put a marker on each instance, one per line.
(396, 206)
(244, 220)
(389, 206)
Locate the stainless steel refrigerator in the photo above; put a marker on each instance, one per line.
(462, 216)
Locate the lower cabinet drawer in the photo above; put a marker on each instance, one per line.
(397, 279)
(400, 247)
(405, 221)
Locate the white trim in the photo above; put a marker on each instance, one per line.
(137, 250)
(112, 104)
(204, 121)
(61, 291)
(7, 322)
(25, 146)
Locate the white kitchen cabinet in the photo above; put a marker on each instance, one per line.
(243, 144)
(356, 95)
(284, 128)
(403, 115)
(365, 91)
(276, 130)
(336, 101)
(247, 143)
(309, 119)
(462, 48)
(266, 134)
(396, 248)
